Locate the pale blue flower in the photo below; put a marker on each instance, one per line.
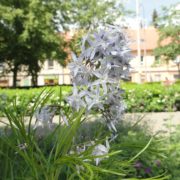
(100, 150)
(75, 100)
(103, 62)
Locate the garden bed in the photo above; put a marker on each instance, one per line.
(139, 98)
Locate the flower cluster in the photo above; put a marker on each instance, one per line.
(44, 120)
(96, 74)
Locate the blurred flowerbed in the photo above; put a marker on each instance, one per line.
(152, 97)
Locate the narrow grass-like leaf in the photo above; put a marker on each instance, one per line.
(139, 153)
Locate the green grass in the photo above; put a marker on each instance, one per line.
(152, 97)
(54, 156)
(157, 152)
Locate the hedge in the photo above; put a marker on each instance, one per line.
(152, 97)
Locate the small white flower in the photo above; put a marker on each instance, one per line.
(22, 147)
(65, 120)
(80, 149)
(100, 150)
(44, 116)
(46, 113)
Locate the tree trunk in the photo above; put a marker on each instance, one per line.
(34, 79)
(15, 71)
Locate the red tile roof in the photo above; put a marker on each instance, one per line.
(149, 38)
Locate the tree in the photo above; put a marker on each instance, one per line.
(88, 15)
(29, 29)
(169, 31)
(29, 35)
(155, 18)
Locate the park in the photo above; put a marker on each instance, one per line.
(84, 94)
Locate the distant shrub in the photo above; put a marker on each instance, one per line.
(152, 97)
(177, 81)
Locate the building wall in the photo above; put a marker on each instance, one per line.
(146, 69)
(55, 72)
(150, 69)
(51, 74)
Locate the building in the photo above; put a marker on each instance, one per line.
(146, 69)
(52, 73)
(149, 68)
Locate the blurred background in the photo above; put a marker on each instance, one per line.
(37, 37)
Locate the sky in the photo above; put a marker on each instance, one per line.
(147, 6)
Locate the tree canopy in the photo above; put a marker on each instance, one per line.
(28, 36)
(154, 18)
(169, 29)
(87, 13)
(30, 29)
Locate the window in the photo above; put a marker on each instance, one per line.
(50, 64)
(142, 59)
(4, 83)
(51, 80)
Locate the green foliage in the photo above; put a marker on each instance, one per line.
(88, 14)
(169, 31)
(29, 35)
(151, 97)
(29, 30)
(26, 98)
(142, 154)
(162, 155)
(132, 144)
(154, 18)
(25, 156)
(173, 153)
(170, 50)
